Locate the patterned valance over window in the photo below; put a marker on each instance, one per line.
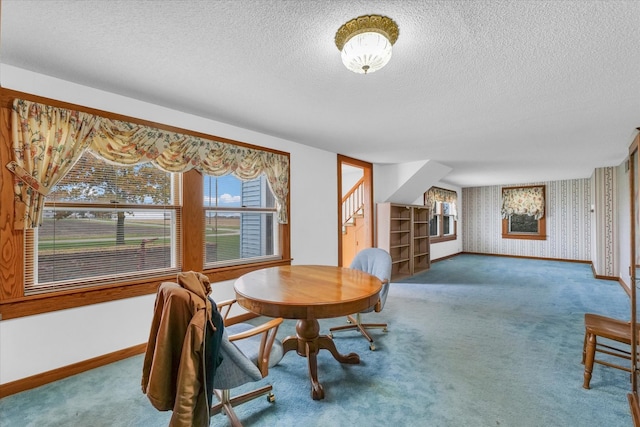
(441, 195)
(523, 201)
(47, 142)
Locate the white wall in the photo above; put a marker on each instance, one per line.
(36, 344)
(39, 343)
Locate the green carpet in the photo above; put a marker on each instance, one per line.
(474, 341)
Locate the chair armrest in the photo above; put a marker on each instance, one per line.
(224, 308)
(268, 331)
(265, 327)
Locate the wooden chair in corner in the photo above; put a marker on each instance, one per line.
(248, 352)
(615, 342)
(377, 262)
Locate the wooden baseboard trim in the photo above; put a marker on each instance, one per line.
(66, 371)
(598, 276)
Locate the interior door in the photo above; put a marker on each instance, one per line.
(362, 235)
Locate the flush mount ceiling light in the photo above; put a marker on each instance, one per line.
(365, 42)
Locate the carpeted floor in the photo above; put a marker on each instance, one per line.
(474, 341)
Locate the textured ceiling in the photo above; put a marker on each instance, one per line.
(500, 91)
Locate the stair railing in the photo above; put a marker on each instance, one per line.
(352, 203)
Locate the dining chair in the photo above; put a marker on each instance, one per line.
(377, 262)
(248, 351)
(615, 341)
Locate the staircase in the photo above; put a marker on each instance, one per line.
(352, 221)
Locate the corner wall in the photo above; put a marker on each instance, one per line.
(605, 222)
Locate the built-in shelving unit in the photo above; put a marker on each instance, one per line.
(403, 231)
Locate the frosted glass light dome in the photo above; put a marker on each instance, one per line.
(366, 53)
(366, 42)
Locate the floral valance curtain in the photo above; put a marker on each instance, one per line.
(441, 195)
(523, 201)
(47, 141)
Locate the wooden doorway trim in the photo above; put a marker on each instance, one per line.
(367, 169)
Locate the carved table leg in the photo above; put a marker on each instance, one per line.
(308, 343)
(317, 391)
(327, 343)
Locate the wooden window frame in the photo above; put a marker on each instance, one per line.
(14, 303)
(441, 237)
(542, 222)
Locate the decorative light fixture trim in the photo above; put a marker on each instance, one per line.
(366, 41)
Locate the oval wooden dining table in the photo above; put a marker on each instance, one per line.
(308, 293)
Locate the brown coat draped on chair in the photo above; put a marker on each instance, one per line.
(174, 376)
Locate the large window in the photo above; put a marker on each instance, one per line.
(240, 221)
(106, 206)
(104, 223)
(523, 213)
